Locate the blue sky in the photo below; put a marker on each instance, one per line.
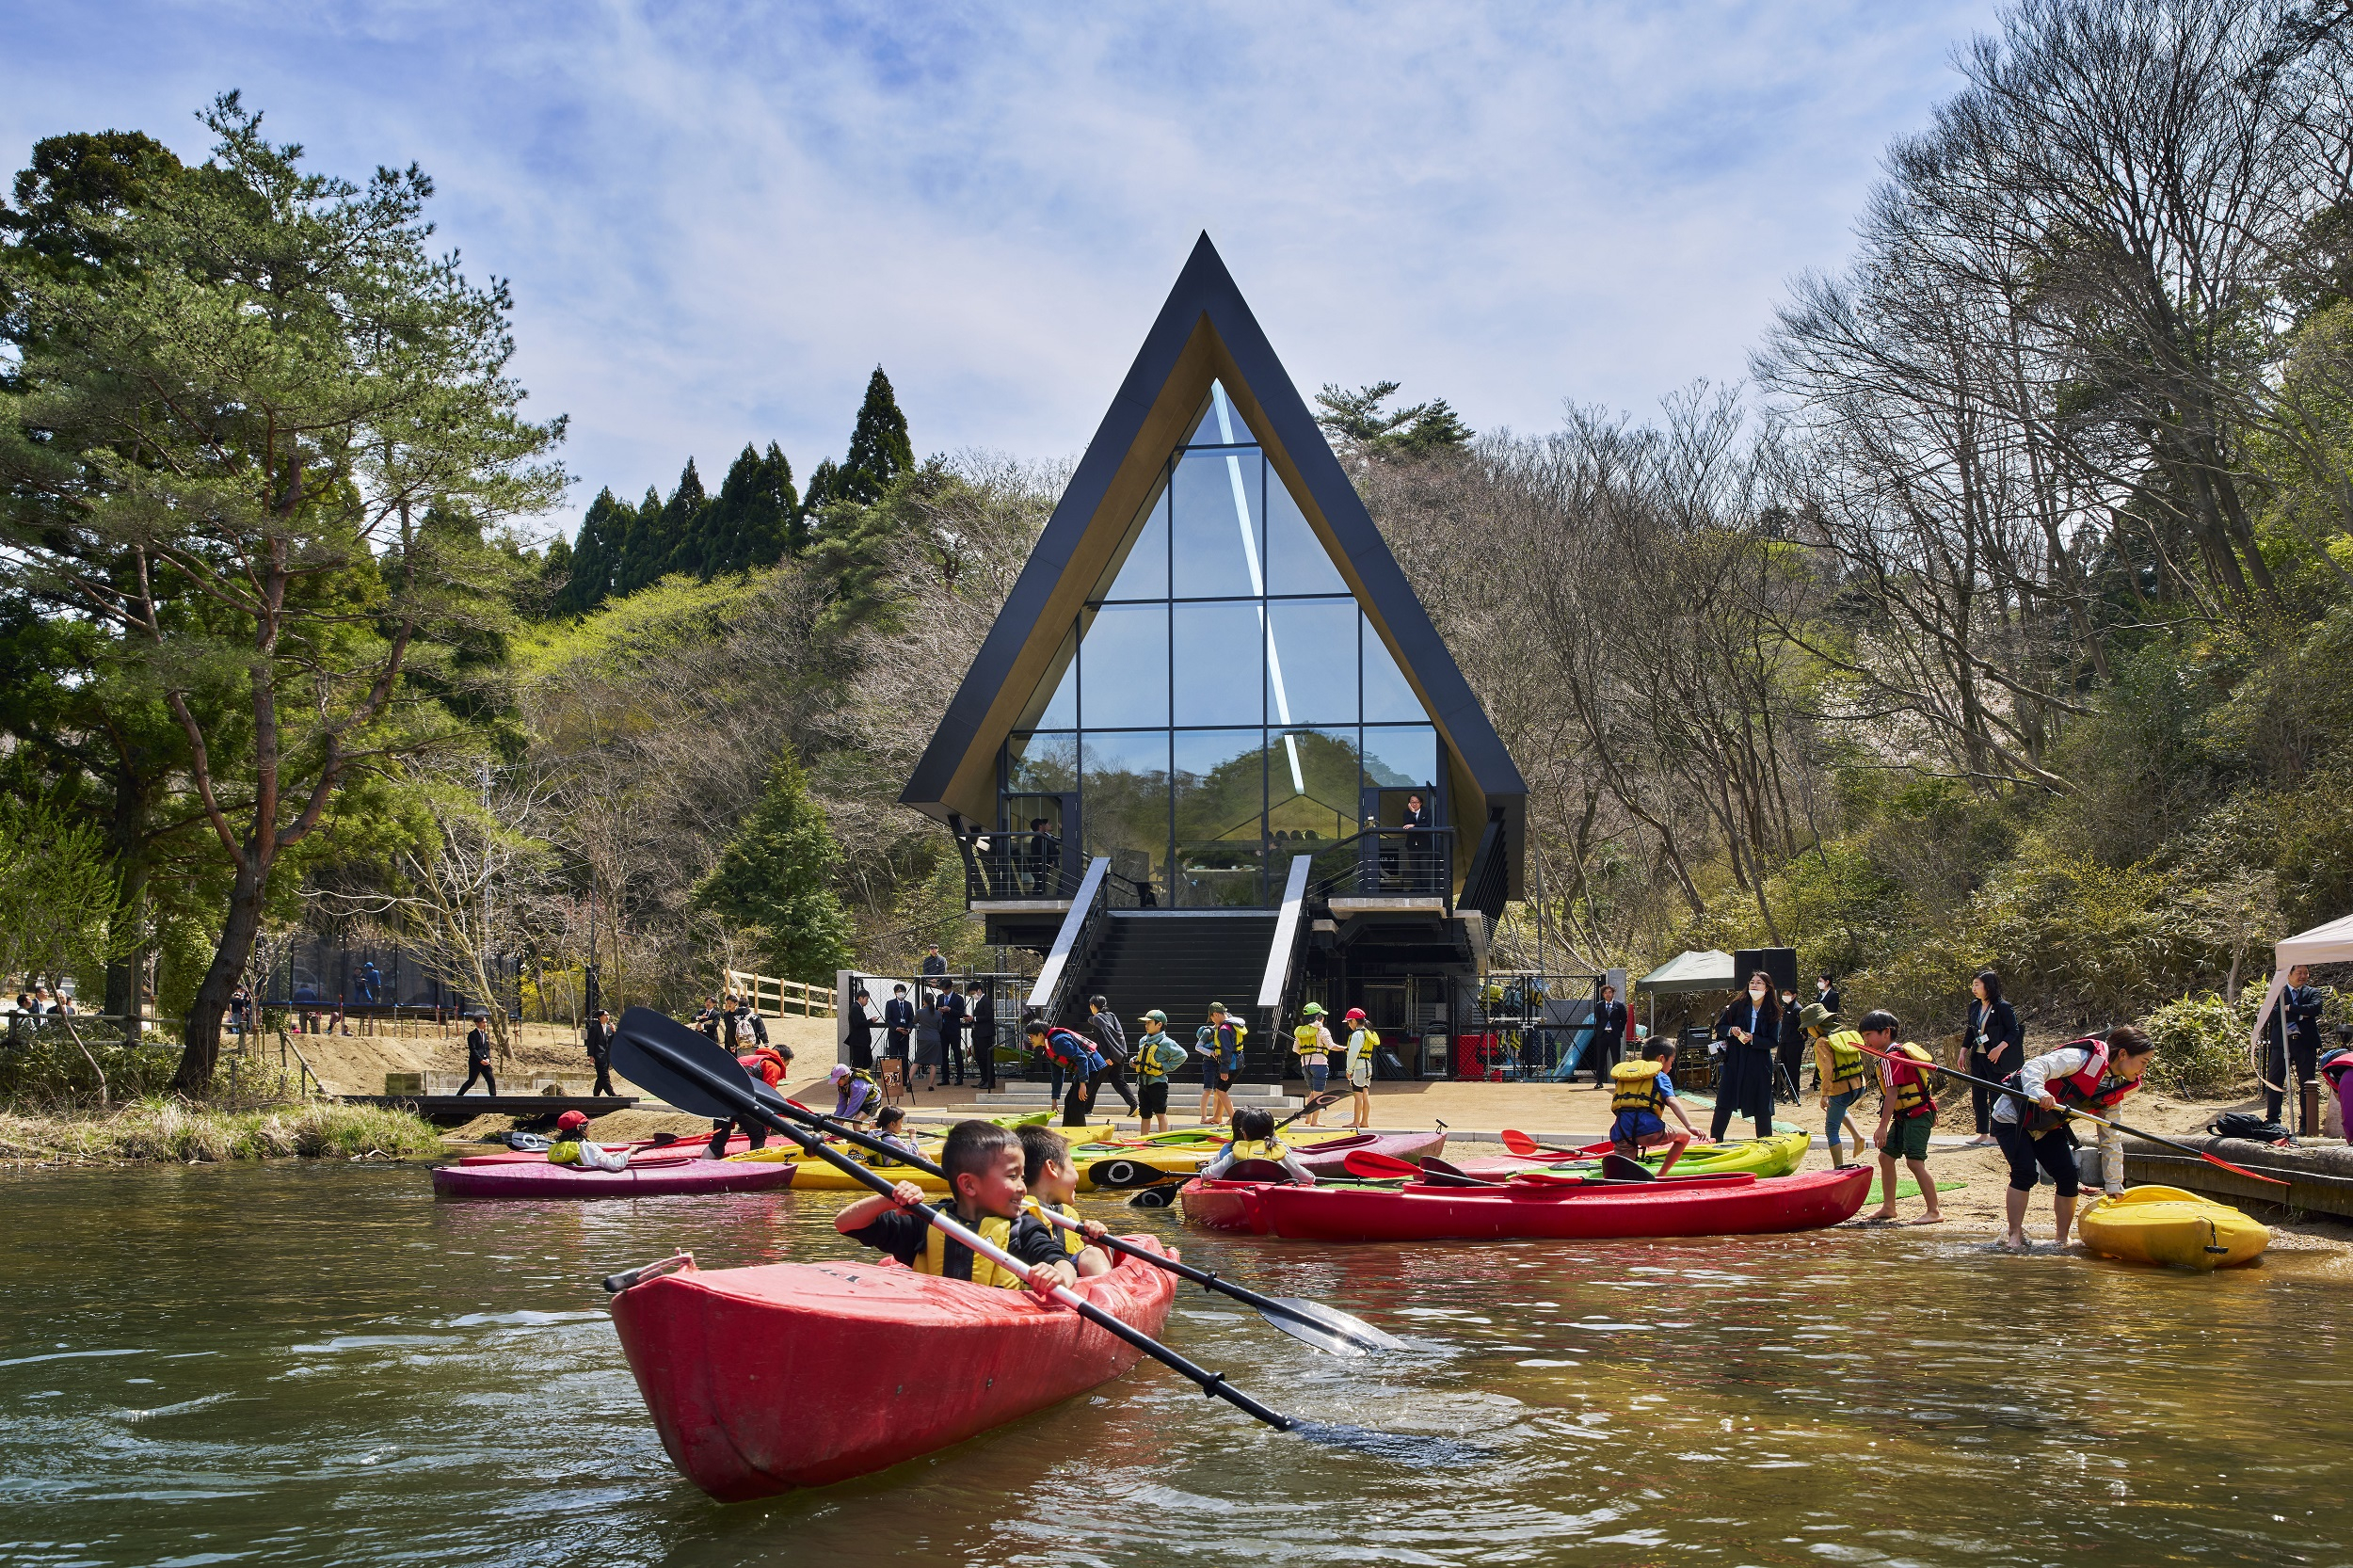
(717, 219)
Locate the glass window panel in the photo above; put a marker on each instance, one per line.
(1399, 757)
(1311, 661)
(1296, 561)
(1218, 654)
(1124, 667)
(1123, 802)
(1220, 805)
(1055, 703)
(1219, 423)
(1311, 789)
(1216, 501)
(1386, 694)
(1046, 763)
(1143, 571)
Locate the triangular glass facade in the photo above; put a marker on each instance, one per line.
(1223, 703)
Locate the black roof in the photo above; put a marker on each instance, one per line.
(1204, 330)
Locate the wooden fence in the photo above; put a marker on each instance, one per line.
(772, 998)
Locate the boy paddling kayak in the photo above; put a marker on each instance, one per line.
(986, 1166)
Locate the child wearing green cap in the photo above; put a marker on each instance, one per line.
(1312, 1043)
(1157, 1056)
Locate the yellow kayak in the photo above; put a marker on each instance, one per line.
(2171, 1229)
(811, 1175)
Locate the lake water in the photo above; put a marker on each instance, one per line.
(321, 1364)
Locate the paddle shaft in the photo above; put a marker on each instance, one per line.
(1314, 1102)
(740, 1095)
(1202, 1277)
(2097, 1121)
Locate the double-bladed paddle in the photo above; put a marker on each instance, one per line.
(692, 1072)
(1374, 1166)
(2097, 1121)
(1525, 1147)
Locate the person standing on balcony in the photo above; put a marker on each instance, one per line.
(934, 966)
(1044, 856)
(952, 1032)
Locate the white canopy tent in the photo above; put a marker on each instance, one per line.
(1691, 971)
(2323, 944)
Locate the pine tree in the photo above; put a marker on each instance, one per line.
(879, 451)
(824, 488)
(1358, 422)
(556, 573)
(681, 517)
(775, 879)
(750, 522)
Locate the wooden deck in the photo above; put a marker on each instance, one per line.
(2319, 1175)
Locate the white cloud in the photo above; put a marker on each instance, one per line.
(717, 219)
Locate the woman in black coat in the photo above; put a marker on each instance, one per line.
(861, 1038)
(1997, 1044)
(1749, 1029)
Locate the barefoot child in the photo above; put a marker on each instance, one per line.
(1053, 1181)
(1253, 1139)
(984, 1167)
(1842, 1071)
(1907, 1114)
(1640, 1090)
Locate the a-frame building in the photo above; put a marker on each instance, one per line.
(1213, 747)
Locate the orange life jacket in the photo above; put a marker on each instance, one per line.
(764, 1063)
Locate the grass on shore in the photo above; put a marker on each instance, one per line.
(163, 1129)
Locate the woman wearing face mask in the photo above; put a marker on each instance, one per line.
(1749, 1029)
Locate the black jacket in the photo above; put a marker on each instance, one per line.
(898, 1015)
(1112, 1038)
(2003, 1028)
(1766, 1033)
(600, 1039)
(477, 1045)
(1610, 1020)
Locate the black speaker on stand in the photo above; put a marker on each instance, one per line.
(1780, 963)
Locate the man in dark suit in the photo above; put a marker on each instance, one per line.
(1608, 1035)
(601, 1052)
(980, 1009)
(952, 1018)
(898, 1025)
(2292, 1039)
(478, 1060)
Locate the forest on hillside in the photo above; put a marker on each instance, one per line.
(2000, 618)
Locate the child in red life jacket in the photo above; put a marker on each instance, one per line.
(2030, 1122)
(984, 1167)
(1053, 1181)
(1907, 1113)
(767, 1064)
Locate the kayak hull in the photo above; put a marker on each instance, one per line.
(1777, 1156)
(649, 1178)
(2171, 1229)
(767, 1379)
(1525, 1211)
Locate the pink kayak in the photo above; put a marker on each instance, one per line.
(736, 1144)
(666, 1172)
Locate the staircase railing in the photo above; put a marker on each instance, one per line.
(1386, 862)
(1075, 943)
(1484, 885)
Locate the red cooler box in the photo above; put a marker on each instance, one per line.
(1478, 1059)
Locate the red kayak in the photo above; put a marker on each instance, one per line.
(687, 1169)
(801, 1375)
(1719, 1206)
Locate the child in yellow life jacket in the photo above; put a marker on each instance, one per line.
(1253, 1139)
(1907, 1113)
(1641, 1088)
(1844, 1073)
(573, 1147)
(984, 1167)
(1053, 1181)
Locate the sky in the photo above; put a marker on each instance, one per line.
(717, 219)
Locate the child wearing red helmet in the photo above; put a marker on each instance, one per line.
(572, 1148)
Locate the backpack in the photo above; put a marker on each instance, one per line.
(2246, 1125)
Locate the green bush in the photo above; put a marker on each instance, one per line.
(163, 1129)
(2201, 1044)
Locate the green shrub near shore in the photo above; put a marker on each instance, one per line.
(163, 1129)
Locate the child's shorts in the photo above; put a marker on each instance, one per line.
(1632, 1127)
(1908, 1138)
(1152, 1098)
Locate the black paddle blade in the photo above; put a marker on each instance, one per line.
(653, 1051)
(1447, 1173)
(1619, 1168)
(1120, 1174)
(1403, 1448)
(1155, 1197)
(1330, 1322)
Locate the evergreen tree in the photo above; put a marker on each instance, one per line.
(1358, 422)
(681, 518)
(750, 523)
(594, 555)
(776, 878)
(555, 574)
(879, 451)
(824, 488)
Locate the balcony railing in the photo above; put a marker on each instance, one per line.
(1386, 862)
